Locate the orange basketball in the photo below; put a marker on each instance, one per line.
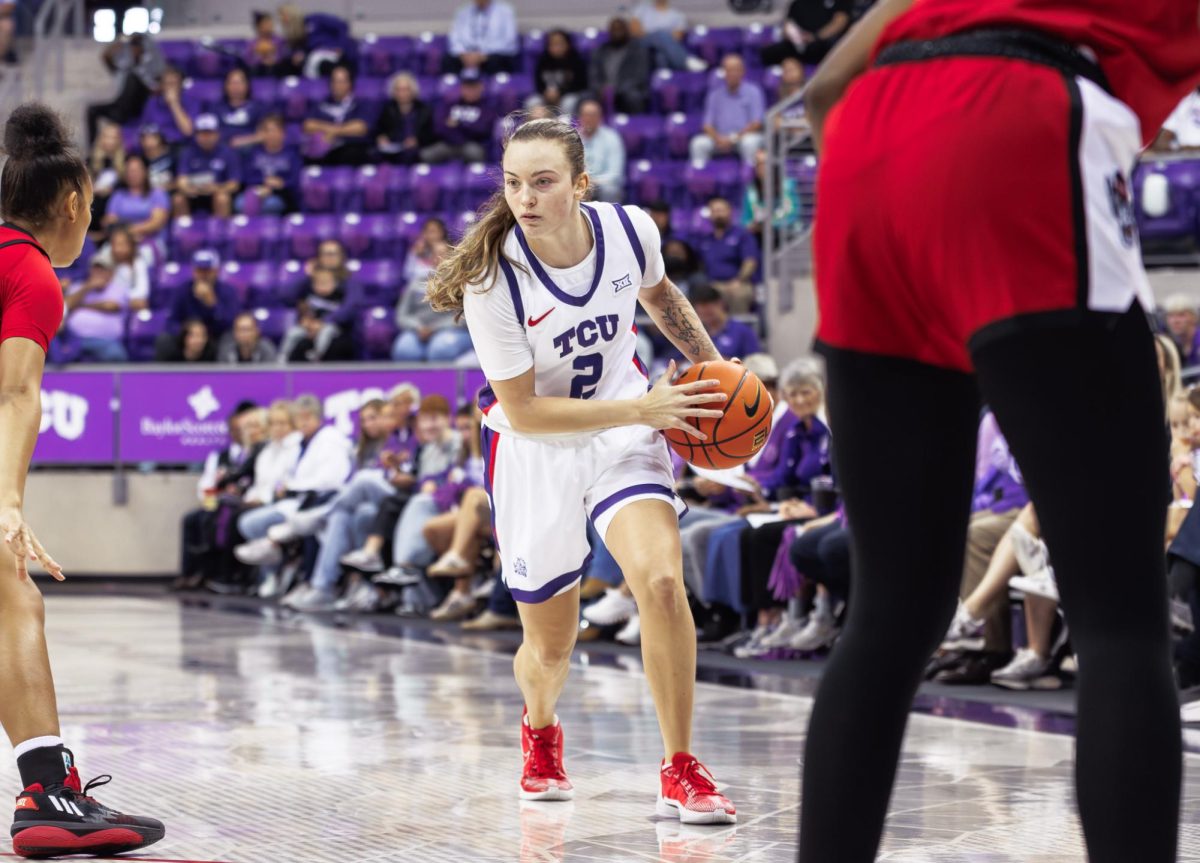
(741, 432)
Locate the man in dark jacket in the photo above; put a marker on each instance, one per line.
(621, 67)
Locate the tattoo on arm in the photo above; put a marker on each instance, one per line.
(681, 325)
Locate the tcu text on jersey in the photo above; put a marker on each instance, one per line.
(587, 333)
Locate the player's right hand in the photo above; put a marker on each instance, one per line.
(667, 406)
(24, 545)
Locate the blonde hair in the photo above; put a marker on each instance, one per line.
(477, 257)
(96, 161)
(291, 21)
(1172, 376)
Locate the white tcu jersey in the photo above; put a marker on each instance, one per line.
(580, 345)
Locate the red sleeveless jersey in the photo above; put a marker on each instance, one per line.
(1149, 49)
(31, 297)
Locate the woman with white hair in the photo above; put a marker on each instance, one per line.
(1182, 318)
(406, 123)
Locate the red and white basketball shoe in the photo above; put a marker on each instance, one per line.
(689, 793)
(543, 777)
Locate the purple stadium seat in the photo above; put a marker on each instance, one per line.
(507, 92)
(380, 278)
(377, 331)
(655, 180)
(274, 322)
(296, 94)
(429, 50)
(303, 233)
(178, 53)
(642, 134)
(189, 233)
(261, 281)
(408, 227)
(172, 278)
(237, 276)
(265, 92)
(532, 45)
(756, 37)
(435, 187)
(209, 60)
(324, 190)
(288, 279)
(458, 224)
(198, 92)
(678, 91)
(253, 238)
(369, 236)
(721, 177)
(479, 182)
(142, 331)
(710, 44)
(588, 40)
(680, 129)
(371, 89)
(383, 55)
(129, 137)
(1169, 213)
(378, 188)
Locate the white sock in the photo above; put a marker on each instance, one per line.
(821, 607)
(36, 743)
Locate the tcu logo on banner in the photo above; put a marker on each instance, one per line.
(587, 333)
(65, 412)
(340, 407)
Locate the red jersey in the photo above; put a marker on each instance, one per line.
(31, 297)
(1149, 49)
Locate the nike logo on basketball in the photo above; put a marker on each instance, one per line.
(533, 322)
(751, 410)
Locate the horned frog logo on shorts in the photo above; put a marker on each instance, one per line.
(520, 568)
(1121, 200)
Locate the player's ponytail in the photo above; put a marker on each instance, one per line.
(477, 257)
(42, 164)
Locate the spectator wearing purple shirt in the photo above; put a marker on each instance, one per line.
(96, 315)
(165, 109)
(733, 338)
(339, 128)
(1182, 326)
(209, 173)
(730, 257)
(463, 127)
(141, 207)
(237, 111)
(733, 116)
(271, 171)
(208, 300)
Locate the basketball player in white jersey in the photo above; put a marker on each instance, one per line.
(549, 286)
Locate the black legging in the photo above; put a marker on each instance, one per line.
(757, 547)
(822, 556)
(1099, 499)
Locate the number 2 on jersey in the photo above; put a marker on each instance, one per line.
(590, 366)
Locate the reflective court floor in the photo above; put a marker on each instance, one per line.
(261, 739)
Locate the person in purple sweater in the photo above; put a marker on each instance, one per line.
(463, 127)
(271, 171)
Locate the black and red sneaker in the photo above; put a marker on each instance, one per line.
(62, 819)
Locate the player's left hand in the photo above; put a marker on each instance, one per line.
(24, 545)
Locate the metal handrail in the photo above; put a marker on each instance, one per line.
(49, 40)
(783, 131)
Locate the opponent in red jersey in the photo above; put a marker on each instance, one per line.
(45, 201)
(975, 234)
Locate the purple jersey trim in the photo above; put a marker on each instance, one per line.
(616, 497)
(551, 587)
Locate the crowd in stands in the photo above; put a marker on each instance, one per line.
(258, 200)
(220, 167)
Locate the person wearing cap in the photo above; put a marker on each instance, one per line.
(483, 37)
(339, 127)
(271, 170)
(207, 299)
(464, 126)
(209, 172)
(1182, 321)
(165, 109)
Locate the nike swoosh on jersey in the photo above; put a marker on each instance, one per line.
(533, 322)
(751, 410)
